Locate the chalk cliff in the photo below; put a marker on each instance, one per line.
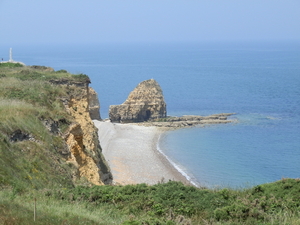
(144, 103)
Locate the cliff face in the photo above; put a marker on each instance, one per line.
(145, 102)
(82, 138)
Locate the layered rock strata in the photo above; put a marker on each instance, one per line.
(82, 138)
(144, 103)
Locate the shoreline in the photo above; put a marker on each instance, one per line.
(133, 155)
(176, 166)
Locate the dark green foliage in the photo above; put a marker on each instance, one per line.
(261, 201)
(173, 199)
(82, 77)
(61, 71)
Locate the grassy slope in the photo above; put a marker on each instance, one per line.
(36, 169)
(27, 99)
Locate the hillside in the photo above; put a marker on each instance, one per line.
(50, 154)
(47, 136)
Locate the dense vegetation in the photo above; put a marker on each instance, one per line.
(168, 203)
(34, 168)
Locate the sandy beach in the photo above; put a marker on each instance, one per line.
(131, 152)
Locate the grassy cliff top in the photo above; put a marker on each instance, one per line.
(37, 73)
(29, 102)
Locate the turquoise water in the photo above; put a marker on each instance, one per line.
(258, 81)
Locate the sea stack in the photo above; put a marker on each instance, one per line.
(94, 104)
(144, 103)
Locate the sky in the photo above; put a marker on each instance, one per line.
(142, 21)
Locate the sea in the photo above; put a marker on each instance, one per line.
(258, 81)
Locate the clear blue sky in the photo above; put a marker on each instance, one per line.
(101, 21)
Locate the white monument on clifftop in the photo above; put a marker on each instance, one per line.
(10, 55)
(11, 59)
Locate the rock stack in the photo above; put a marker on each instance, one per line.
(144, 103)
(94, 105)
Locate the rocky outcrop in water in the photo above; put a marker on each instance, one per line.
(189, 121)
(144, 103)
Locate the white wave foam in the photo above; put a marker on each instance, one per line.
(176, 166)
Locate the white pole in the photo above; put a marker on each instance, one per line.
(10, 55)
(34, 210)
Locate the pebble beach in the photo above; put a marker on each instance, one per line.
(132, 155)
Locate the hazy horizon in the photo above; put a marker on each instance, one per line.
(117, 21)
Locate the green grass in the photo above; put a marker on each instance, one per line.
(168, 203)
(37, 93)
(37, 73)
(19, 209)
(10, 65)
(25, 104)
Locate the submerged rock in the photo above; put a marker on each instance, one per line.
(144, 103)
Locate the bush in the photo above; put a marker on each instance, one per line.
(61, 71)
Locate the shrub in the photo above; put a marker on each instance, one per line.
(61, 71)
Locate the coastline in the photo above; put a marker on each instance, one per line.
(132, 154)
(174, 165)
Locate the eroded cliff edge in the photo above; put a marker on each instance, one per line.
(84, 149)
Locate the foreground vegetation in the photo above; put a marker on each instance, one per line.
(35, 168)
(169, 203)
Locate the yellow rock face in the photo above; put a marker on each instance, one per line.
(83, 141)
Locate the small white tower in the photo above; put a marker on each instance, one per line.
(11, 59)
(10, 55)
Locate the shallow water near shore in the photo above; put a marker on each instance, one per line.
(235, 155)
(258, 81)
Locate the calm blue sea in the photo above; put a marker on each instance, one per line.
(259, 81)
